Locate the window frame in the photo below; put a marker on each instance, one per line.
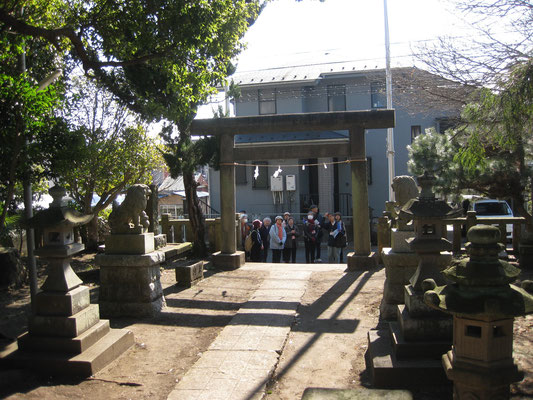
(262, 101)
(376, 92)
(336, 91)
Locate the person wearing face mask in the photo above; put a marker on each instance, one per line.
(245, 229)
(310, 237)
(264, 231)
(278, 236)
(289, 251)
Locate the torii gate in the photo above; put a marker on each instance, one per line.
(354, 148)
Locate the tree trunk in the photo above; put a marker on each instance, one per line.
(92, 234)
(196, 216)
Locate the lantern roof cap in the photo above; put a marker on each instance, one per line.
(59, 215)
(481, 282)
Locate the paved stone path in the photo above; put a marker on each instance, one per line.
(240, 361)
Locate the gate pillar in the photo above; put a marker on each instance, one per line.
(362, 257)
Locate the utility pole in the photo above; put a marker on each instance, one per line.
(388, 88)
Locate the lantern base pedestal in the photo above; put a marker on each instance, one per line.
(67, 337)
(483, 383)
(386, 370)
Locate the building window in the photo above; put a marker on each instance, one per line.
(261, 182)
(369, 170)
(416, 130)
(378, 97)
(267, 101)
(240, 175)
(336, 97)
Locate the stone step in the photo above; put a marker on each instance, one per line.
(71, 326)
(77, 345)
(420, 349)
(173, 250)
(107, 349)
(386, 371)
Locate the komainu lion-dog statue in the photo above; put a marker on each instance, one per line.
(129, 217)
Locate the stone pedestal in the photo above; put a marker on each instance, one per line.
(130, 284)
(129, 243)
(189, 275)
(399, 267)
(361, 263)
(399, 240)
(66, 336)
(228, 262)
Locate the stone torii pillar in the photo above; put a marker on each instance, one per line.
(362, 257)
(228, 257)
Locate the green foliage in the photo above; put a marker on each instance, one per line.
(105, 149)
(491, 152)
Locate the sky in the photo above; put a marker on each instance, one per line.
(289, 33)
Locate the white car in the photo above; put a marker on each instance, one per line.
(494, 209)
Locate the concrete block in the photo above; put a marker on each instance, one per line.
(71, 326)
(62, 304)
(399, 267)
(129, 243)
(361, 263)
(189, 275)
(355, 394)
(228, 262)
(399, 241)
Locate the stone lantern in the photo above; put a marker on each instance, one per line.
(65, 334)
(407, 352)
(427, 214)
(483, 304)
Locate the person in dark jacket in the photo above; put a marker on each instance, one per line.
(310, 237)
(264, 231)
(335, 230)
(319, 220)
(257, 243)
(289, 251)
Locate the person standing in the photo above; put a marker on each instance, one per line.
(286, 216)
(289, 251)
(278, 236)
(335, 231)
(319, 221)
(245, 227)
(339, 234)
(310, 234)
(264, 231)
(257, 243)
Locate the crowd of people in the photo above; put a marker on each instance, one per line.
(282, 237)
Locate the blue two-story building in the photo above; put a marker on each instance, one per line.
(321, 88)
